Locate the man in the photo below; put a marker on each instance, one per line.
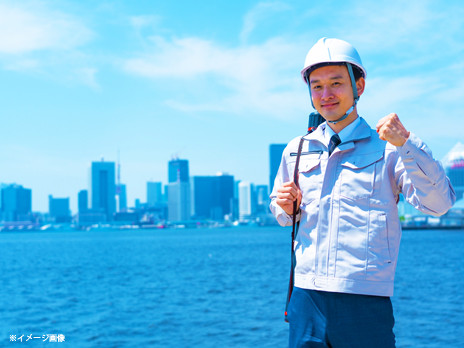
(348, 188)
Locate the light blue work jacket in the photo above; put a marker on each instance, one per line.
(350, 232)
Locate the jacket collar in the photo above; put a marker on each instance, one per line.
(362, 131)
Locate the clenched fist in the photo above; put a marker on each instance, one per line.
(286, 195)
(392, 130)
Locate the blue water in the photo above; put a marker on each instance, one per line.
(199, 288)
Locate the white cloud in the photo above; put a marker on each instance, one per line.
(401, 46)
(185, 57)
(388, 93)
(264, 78)
(261, 78)
(258, 13)
(429, 104)
(382, 27)
(139, 22)
(35, 38)
(22, 64)
(26, 27)
(408, 34)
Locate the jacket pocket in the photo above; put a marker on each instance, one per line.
(358, 174)
(379, 257)
(310, 177)
(379, 243)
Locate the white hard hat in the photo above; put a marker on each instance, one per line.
(331, 51)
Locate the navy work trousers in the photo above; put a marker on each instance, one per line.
(336, 320)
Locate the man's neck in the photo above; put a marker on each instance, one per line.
(337, 127)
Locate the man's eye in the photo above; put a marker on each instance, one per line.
(316, 87)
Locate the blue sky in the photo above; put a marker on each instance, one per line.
(214, 82)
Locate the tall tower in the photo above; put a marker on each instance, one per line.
(275, 156)
(225, 183)
(179, 195)
(247, 200)
(121, 195)
(83, 201)
(103, 188)
(178, 170)
(262, 199)
(154, 193)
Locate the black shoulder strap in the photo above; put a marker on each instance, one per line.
(295, 227)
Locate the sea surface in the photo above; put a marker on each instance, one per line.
(223, 287)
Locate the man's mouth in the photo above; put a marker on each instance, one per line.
(329, 105)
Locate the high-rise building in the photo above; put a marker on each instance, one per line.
(212, 196)
(225, 189)
(454, 166)
(179, 195)
(58, 209)
(235, 211)
(203, 200)
(120, 189)
(83, 201)
(247, 200)
(275, 156)
(103, 188)
(262, 199)
(178, 170)
(154, 193)
(16, 203)
(179, 201)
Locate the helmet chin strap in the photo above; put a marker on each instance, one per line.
(350, 110)
(355, 94)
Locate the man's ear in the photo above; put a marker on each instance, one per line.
(360, 84)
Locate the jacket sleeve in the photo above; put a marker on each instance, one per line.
(422, 179)
(283, 175)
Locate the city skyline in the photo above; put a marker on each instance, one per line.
(214, 83)
(454, 159)
(110, 166)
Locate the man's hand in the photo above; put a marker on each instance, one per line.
(286, 195)
(392, 130)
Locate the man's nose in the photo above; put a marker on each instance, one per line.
(326, 92)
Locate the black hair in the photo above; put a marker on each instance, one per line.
(357, 72)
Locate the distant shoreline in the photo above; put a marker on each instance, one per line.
(432, 227)
(5, 227)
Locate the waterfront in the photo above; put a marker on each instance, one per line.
(199, 287)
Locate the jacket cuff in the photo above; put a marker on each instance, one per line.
(411, 147)
(282, 217)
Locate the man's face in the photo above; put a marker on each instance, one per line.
(331, 91)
